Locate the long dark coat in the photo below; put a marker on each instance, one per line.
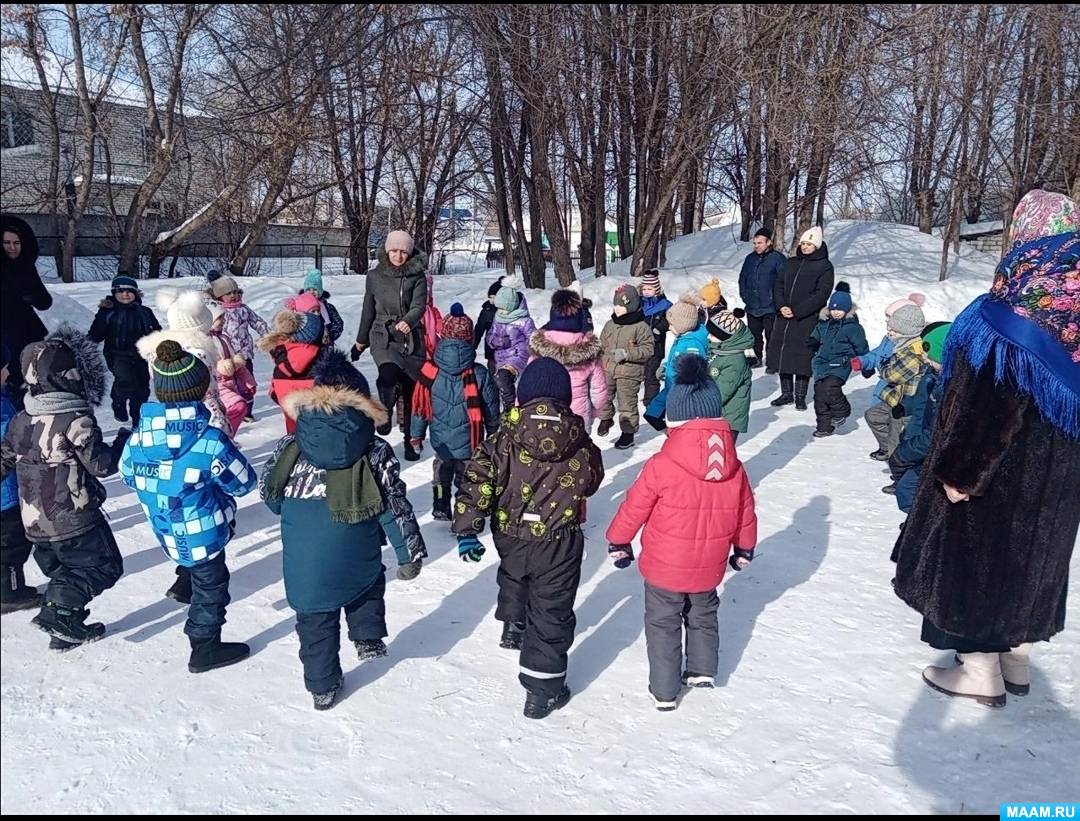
(803, 284)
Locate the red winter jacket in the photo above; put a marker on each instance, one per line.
(292, 364)
(695, 501)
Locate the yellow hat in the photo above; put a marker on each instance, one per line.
(710, 292)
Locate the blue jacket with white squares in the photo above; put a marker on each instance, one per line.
(186, 473)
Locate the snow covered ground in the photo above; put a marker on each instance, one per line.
(819, 705)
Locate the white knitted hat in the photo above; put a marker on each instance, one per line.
(813, 236)
(184, 310)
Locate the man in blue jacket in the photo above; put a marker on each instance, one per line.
(756, 282)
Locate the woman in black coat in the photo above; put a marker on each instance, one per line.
(394, 303)
(984, 555)
(802, 289)
(21, 291)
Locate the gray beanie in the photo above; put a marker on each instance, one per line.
(907, 321)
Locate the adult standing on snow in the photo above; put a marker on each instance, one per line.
(802, 289)
(391, 324)
(984, 555)
(756, 281)
(22, 294)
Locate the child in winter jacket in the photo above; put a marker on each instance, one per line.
(456, 401)
(332, 322)
(15, 548)
(121, 321)
(330, 483)
(730, 341)
(235, 325)
(836, 341)
(483, 325)
(186, 473)
(694, 501)
(873, 358)
(628, 346)
(54, 445)
(189, 323)
(906, 461)
(509, 338)
(236, 387)
(686, 323)
(293, 344)
(565, 339)
(532, 478)
(901, 372)
(654, 306)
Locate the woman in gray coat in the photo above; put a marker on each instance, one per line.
(391, 324)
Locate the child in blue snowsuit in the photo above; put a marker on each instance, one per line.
(686, 320)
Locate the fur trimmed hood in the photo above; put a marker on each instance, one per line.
(329, 399)
(67, 361)
(282, 327)
(586, 349)
(414, 266)
(823, 314)
(191, 340)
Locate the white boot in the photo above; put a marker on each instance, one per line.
(979, 677)
(1014, 669)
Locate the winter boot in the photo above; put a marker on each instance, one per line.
(656, 422)
(14, 592)
(181, 589)
(61, 646)
(787, 391)
(625, 441)
(821, 434)
(802, 386)
(324, 701)
(979, 677)
(440, 508)
(388, 396)
(538, 706)
(889, 489)
(605, 427)
(513, 633)
(1015, 670)
(368, 649)
(756, 363)
(119, 410)
(839, 422)
(697, 680)
(212, 653)
(879, 455)
(409, 571)
(664, 705)
(68, 624)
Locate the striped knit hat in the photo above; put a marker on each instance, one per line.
(651, 279)
(178, 375)
(124, 282)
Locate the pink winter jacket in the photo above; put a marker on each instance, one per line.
(580, 353)
(695, 502)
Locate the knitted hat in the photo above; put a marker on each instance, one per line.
(841, 298)
(184, 311)
(567, 312)
(710, 292)
(313, 281)
(726, 321)
(544, 378)
(627, 297)
(506, 298)
(685, 315)
(1043, 214)
(908, 321)
(123, 282)
(221, 284)
(305, 303)
(933, 337)
(178, 375)
(764, 232)
(399, 241)
(651, 279)
(309, 328)
(916, 299)
(813, 236)
(457, 325)
(695, 395)
(334, 370)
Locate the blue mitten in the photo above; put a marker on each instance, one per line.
(469, 548)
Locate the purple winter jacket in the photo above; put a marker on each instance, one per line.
(510, 340)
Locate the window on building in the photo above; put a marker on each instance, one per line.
(16, 126)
